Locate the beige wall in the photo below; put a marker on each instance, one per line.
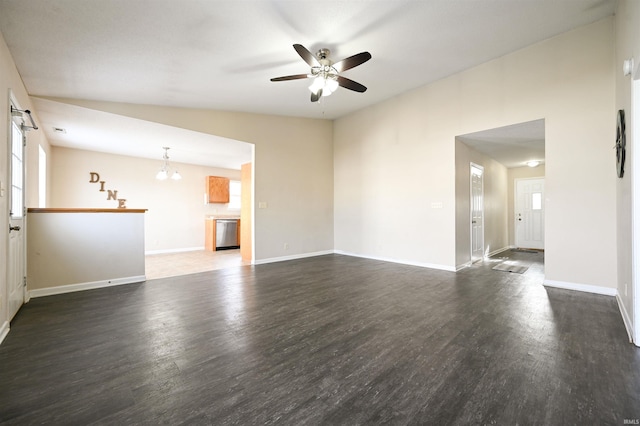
(176, 209)
(394, 159)
(627, 46)
(10, 81)
(512, 175)
(495, 203)
(293, 171)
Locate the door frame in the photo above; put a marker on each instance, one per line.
(13, 103)
(635, 207)
(515, 209)
(473, 165)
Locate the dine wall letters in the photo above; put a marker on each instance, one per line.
(111, 194)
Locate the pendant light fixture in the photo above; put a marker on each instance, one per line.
(164, 170)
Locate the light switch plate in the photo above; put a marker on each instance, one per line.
(262, 205)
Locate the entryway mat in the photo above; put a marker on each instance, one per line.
(505, 267)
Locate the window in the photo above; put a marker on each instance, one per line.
(42, 177)
(536, 201)
(17, 178)
(234, 195)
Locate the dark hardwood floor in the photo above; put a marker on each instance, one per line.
(325, 340)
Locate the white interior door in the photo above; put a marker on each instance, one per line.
(529, 213)
(16, 264)
(477, 213)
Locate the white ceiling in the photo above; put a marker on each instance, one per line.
(512, 146)
(104, 132)
(220, 54)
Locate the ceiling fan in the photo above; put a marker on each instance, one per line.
(326, 73)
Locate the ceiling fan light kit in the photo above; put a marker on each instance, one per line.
(325, 72)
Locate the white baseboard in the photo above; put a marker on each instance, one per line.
(461, 267)
(605, 291)
(493, 253)
(50, 291)
(181, 250)
(4, 330)
(292, 257)
(628, 324)
(500, 250)
(400, 261)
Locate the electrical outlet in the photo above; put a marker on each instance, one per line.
(286, 246)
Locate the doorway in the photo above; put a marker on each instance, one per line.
(505, 154)
(529, 213)
(477, 213)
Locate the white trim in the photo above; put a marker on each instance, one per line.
(50, 291)
(181, 250)
(13, 103)
(587, 288)
(292, 257)
(252, 205)
(463, 266)
(625, 318)
(493, 253)
(4, 330)
(400, 261)
(473, 165)
(635, 208)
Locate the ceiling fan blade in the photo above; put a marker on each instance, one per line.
(290, 77)
(352, 61)
(316, 96)
(351, 85)
(306, 55)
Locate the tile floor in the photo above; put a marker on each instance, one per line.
(190, 262)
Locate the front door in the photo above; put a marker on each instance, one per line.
(477, 213)
(16, 270)
(529, 213)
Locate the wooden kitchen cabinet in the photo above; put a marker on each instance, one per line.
(210, 234)
(217, 189)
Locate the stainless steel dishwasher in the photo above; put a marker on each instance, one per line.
(227, 234)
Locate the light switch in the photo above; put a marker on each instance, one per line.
(436, 205)
(262, 205)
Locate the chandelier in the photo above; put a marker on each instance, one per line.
(164, 170)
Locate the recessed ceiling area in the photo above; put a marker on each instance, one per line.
(99, 131)
(512, 146)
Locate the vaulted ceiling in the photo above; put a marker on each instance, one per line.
(221, 54)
